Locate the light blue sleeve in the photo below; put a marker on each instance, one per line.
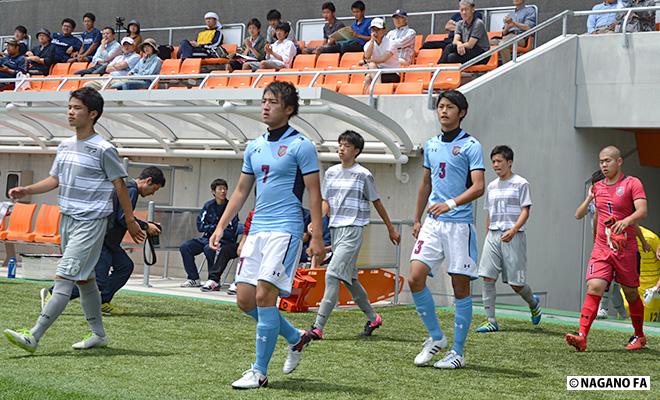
(427, 162)
(475, 156)
(307, 158)
(591, 23)
(247, 163)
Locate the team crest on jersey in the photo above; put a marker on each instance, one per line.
(91, 150)
(456, 150)
(281, 152)
(619, 191)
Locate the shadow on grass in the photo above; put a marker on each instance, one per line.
(377, 338)
(107, 352)
(503, 371)
(150, 315)
(303, 385)
(534, 331)
(622, 350)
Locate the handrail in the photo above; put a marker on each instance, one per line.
(624, 26)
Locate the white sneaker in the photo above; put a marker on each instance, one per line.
(452, 360)
(90, 341)
(44, 295)
(232, 289)
(602, 313)
(191, 283)
(429, 349)
(251, 379)
(210, 286)
(23, 339)
(294, 353)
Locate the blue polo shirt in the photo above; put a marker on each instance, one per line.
(62, 43)
(88, 39)
(362, 29)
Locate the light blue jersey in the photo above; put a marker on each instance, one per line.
(278, 168)
(450, 164)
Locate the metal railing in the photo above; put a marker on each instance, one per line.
(624, 27)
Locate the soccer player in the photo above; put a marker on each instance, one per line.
(282, 162)
(620, 204)
(347, 190)
(87, 170)
(505, 250)
(453, 178)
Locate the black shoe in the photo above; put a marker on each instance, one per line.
(370, 327)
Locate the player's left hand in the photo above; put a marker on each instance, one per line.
(317, 248)
(438, 209)
(395, 237)
(136, 232)
(620, 226)
(508, 235)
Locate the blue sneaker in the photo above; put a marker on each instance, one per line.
(488, 327)
(536, 311)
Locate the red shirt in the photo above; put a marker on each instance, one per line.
(248, 222)
(617, 201)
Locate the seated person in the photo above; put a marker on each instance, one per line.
(639, 21)
(66, 45)
(91, 39)
(470, 39)
(149, 64)
(332, 25)
(307, 236)
(12, 64)
(207, 41)
(402, 37)
(207, 221)
(42, 56)
(120, 65)
(278, 55)
(134, 31)
(21, 36)
(361, 30)
(450, 28)
(523, 18)
(105, 53)
(274, 18)
(602, 23)
(253, 46)
(380, 52)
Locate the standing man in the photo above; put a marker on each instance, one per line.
(620, 205)
(505, 250)
(453, 179)
(87, 170)
(282, 162)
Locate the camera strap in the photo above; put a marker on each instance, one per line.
(149, 252)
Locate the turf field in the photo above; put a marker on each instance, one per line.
(170, 348)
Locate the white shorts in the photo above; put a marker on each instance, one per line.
(271, 257)
(457, 242)
(509, 259)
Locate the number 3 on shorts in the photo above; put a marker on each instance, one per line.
(418, 246)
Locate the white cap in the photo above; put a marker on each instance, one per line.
(211, 14)
(378, 23)
(127, 40)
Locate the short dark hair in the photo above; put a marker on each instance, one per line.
(353, 138)
(254, 22)
(90, 16)
(218, 182)
(110, 28)
(21, 29)
(328, 6)
(285, 91)
(273, 14)
(156, 175)
(597, 177)
(359, 5)
(456, 98)
(284, 26)
(70, 22)
(91, 98)
(503, 150)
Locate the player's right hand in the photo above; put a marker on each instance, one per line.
(417, 226)
(18, 192)
(214, 240)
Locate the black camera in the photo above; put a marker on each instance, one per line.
(155, 240)
(119, 21)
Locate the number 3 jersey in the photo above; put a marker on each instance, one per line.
(278, 168)
(450, 164)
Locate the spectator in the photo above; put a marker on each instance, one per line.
(91, 39)
(274, 18)
(602, 23)
(522, 19)
(107, 51)
(470, 39)
(380, 52)
(402, 37)
(149, 64)
(207, 41)
(66, 45)
(12, 64)
(450, 28)
(307, 236)
(42, 56)
(361, 29)
(134, 31)
(121, 64)
(20, 34)
(639, 21)
(331, 26)
(278, 55)
(253, 46)
(207, 221)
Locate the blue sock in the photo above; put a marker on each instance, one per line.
(268, 327)
(462, 321)
(254, 314)
(426, 310)
(288, 331)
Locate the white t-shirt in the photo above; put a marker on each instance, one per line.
(286, 49)
(505, 200)
(382, 48)
(349, 191)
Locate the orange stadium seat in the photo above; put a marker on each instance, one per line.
(352, 89)
(327, 60)
(288, 78)
(217, 80)
(46, 226)
(77, 66)
(419, 40)
(265, 80)
(50, 86)
(304, 61)
(60, 69)
(350, 59)
(437, 37)
(175, 52)
(239, 82)
(301, 44)
(20, 222)
(358, 78)
(428, 56)
(230, 47)
(305, 80)
(409, 88)
(190, 66)
(446, 80)
(70, 85)
(315, 43)
(336, 79)
(170, 67)
(382, 88)
(657, 26)
(489, 66)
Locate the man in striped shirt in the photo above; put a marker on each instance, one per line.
(87, 170)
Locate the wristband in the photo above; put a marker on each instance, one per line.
(451, 204)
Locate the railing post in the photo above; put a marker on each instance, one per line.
(432, 23)
(514, 52)
(147, 269)
(624, 29)
(170, 36)
(564, 25)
